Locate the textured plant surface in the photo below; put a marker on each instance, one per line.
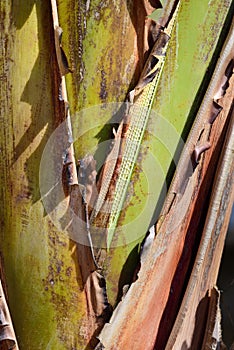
(77, 77)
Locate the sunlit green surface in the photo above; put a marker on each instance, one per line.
(44, 286)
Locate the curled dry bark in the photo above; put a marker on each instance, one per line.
(8, 339)
(79, 196)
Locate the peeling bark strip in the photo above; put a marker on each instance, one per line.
(149, 310)
(107, 173)
(7, 336)
(213, 332)
(94, 284)
(206, 266)
(68, 158)
(80, 196)
(162, 16)
(135, 120)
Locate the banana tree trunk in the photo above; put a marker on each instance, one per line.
(102, 52)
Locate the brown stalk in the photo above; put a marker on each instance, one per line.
(150, 307)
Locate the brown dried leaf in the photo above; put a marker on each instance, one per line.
(7, 336)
